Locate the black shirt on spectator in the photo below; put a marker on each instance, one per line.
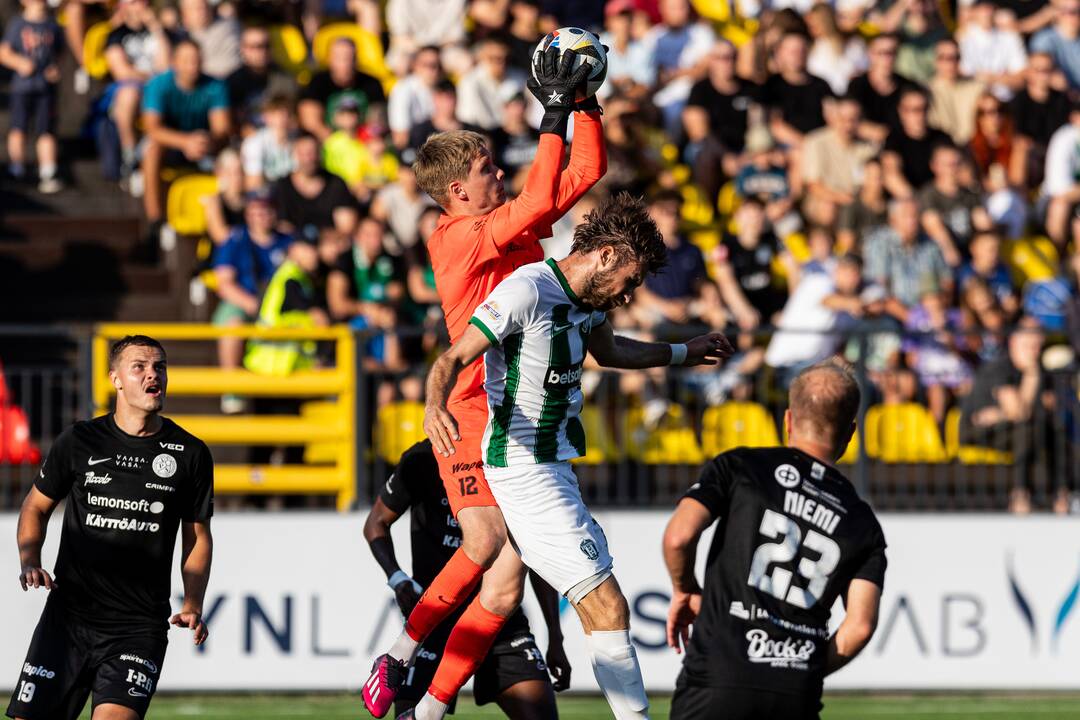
(878, 108)
(800, 105)
(248, 90)
(727, 113)
(1022, 8)
(365, 89)
(955, 212)
(753, 270)
(1038, 121)
(989, 378)
(915, 153)
(420, 132)
(306, 214)
(139, 46)
(513, 152)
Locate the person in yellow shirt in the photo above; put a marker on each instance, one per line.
(365, 167)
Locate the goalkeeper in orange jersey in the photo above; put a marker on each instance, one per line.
(480, 239)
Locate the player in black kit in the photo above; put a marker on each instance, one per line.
(514, 674)
(131, 479)
(793, 536)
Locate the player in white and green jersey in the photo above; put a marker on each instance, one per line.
(534, 330)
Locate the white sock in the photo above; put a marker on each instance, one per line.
(47, 172)
(429, 708)
(403, 648)
(615, 665)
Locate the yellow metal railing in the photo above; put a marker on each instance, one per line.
(332, 430)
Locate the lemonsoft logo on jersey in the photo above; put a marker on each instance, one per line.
(164, 465)
(786, 653)
(115, 503)
(787, 475)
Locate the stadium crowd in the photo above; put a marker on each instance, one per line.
(898, 181)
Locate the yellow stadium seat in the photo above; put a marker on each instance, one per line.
(1031, 259)
(903, 433)
(736, 35)
(600, 445)
(670, 441)
(184, 209)
(727, 202)
(398, 426)
(325, 412)
(851, 452)
(797, 245)
(697, 211)
(370, 58)
(736, 424)
(718, 11)
(94, 50)
(290, 51)
(970, 454)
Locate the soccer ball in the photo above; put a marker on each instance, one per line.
(588, 49)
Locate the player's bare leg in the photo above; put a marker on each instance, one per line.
(111, 711)
(605, 617)
(470, 641)
(483, 538)
(528, 700)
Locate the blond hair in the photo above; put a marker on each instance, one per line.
(444, 158)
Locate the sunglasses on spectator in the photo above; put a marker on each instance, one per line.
(261, 45)
(951, 57)
(988, 111)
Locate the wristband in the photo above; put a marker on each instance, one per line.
(678, 354)
(397, 578)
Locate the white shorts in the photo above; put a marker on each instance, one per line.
(551, 528)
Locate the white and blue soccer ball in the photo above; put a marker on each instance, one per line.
(589, 51)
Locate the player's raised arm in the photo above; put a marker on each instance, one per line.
(588, 158)
(862, 603)
(616, 351)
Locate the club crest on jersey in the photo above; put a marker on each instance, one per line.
(588, 547)
(787, 475)
(164, 465)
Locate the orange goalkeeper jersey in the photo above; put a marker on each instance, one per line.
(471, 254)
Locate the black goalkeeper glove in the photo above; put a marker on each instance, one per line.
(591, 104)
(555, 83)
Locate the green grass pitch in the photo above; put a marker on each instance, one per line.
(837, 707)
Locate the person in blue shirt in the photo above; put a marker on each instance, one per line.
(242, 267)
(1062, 40)
(186, 117)
(986, 265)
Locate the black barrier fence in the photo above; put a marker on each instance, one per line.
(648, 433)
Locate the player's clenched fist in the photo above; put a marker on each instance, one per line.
(441, 429)
(35, 577)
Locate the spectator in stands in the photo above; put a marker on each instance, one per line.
(743, 265)
(832, 161)
(256, 80)
(993, 144)
(904, 261)
(991, 50)
(268, 152)
(366, 288)
(225, 209)
(1037, 111)
(630, 67)
(715, 119)
(986, 266)
(866, 213)
(364, 166)
(932, 345)
(680, 299)
(514, 142)
(950, 211)
(290, 300)
(919, 31)
(818, 315)
(984, 320)
(834, 57)
(1011, 409)
(793, 97)
(1061, 182)
(309, 199)
(443, 116)
(414, 24)
(411, 100)
(1062, 40)
(400, 205)
(757, 57)
(219, 37)
(136, 50)
(523, 32)
(910, 145)
(242, 267)
(1072, 311)
(878, 90)
(31, 49)
(489, 85)
(764, 176)
(953, 96)
(678, 45)
(186, 119)
(341, 79)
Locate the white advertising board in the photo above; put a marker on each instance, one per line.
(297, 603)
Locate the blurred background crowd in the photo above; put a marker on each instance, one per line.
(894, 180)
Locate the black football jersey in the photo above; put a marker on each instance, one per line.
(126, 497)
(415, 486)
(792, 535)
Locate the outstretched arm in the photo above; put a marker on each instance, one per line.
(615, 351)
(439, 424)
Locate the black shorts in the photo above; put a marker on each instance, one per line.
(34, 113)
(513, 658)
(695, 702)
(67, 661)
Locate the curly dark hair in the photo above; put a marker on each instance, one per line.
(623, 223)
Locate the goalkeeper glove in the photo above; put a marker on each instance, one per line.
(555, 84)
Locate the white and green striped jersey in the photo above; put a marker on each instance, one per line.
(539, 331)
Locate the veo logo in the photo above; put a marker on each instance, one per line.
(171, 446)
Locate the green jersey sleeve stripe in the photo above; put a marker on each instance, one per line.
(484, 329)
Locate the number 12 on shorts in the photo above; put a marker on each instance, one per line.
(778, 583)
(468, 485)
